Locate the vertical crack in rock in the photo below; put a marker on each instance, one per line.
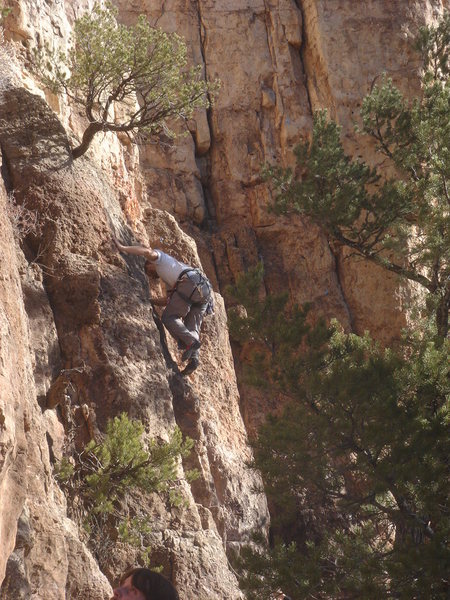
(216, 271)
(5, 171)
(202, 37)
(162, 13)
(186, 409)
(270, 45)
(316, 76)
(203, 160)
(302, 54)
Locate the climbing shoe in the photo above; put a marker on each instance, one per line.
(191, 366)
(190, 350)
(181, 345)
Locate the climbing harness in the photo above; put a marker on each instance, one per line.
(202, 286)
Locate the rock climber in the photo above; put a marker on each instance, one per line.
(189, 299)
(143, 584)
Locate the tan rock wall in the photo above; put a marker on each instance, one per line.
(16, 383)
(115, 357)
(40, 548)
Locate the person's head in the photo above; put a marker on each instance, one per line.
(143, 584)
(150, 269)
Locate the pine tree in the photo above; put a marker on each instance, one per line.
(100, 480)
(127, 79)
(356, 467)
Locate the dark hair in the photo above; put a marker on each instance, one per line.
(153, 585)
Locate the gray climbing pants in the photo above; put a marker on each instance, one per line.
(183, 315)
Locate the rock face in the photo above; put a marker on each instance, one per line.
(40, 547)
(112, 353)
(79, 339)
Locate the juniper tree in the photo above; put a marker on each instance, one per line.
(100, 480)
(356, 467)
(400, 222)
(127, 79)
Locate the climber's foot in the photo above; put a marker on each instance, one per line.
(191, 366)
(187, 354)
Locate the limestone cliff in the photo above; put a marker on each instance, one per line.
(77, 329)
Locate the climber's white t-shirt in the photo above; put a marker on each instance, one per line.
(168, 268)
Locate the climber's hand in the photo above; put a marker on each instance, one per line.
(139, 250)
(117, 244)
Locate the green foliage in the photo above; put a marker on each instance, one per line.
(265, 574)
(356, 467)
(4, 12)
(127, 78)
(273, 325)
(64, 470)
(124, 462)
(101, 478)
(433, 43)
(401, 222)
(133, 531)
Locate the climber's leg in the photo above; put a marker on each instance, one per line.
(173, 316)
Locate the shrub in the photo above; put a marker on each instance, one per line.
(99, 480)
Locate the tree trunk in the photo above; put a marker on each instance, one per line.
(88, 134)
(442, 314)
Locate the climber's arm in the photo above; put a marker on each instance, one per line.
(144, 251)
